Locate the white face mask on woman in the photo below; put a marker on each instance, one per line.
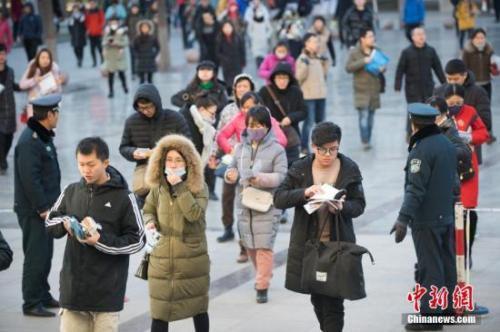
(180, 172)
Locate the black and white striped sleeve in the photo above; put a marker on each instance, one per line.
(131, 238)
(56, 216)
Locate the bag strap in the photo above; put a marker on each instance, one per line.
(337, 227)
(276, 101)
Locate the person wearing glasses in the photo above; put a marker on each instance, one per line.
(303, 180)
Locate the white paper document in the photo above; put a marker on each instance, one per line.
(328, 193)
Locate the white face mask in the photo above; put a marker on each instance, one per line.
(480, 46)
(180, 172)
(113, 26)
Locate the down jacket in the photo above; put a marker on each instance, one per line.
(179, 266)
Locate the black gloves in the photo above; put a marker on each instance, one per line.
(400, 229)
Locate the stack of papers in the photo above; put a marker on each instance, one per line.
(328, 194)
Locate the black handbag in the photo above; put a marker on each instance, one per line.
(334, 268)
(142, 270)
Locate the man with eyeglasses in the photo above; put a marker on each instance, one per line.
(143, 129)
(304, 179)
(37, 179)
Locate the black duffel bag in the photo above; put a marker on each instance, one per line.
(334, 268)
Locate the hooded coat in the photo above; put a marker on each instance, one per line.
(146, 48)
(179, 266)
(143, 132)
(258, 229)
(114, 44)
(290, 194)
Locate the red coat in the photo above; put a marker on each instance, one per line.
(468, 120)
(94, 22)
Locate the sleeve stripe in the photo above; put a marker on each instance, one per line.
(131, 248)
(57, 220)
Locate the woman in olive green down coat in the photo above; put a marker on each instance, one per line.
(179, 266)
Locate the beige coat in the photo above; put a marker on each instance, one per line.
(179, 265)
(311, 74)
(366, 86)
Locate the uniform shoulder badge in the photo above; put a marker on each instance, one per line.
(415, 165)
(35, 135)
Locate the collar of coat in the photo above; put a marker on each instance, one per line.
(423, 133)
(42, 132)
(194, 168)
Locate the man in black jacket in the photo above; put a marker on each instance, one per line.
(475, 96)
(37, 180)
(145, 127)
(416, 64)
(96, 258)
(357, 18)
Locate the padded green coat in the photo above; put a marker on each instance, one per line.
(179, 265)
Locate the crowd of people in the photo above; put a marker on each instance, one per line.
(270, 145)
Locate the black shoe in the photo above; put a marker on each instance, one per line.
(79, 64)
(111, 95)
(3, 171)
(125, 89)
(38, 311)
(261, 296)
(94, 65)
(492, 139)
(51, 304)
(228, 235)
(213, 196)
(423, 327)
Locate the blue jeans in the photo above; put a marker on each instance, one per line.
(366, 124)
(315, 114)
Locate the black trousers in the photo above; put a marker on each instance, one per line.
(132, 61)
(228, 195)
(496, 5)
(143, 77)
(5, 145)
(329, 311)
(38, 247)
(435, 249)
(472, 228)
(30, 46)
(210, 179)
(79, 54)
(111, 80)
(96, 46)
(201, 324)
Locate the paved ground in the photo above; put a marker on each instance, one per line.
(87, 111)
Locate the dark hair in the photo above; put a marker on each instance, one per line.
(477, 31)
(439, 103)
(419, 26)
(319, 18)
(308, 36)
(260, 114)
(205, 101)
(364, 32)
(89, 145)
(40, 113)
(251, 95)
(281, 43)
(455, 66)
(2, 47)
(36, 64)
(454, 90)
(326, 132)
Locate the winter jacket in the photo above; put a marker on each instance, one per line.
(449, 129)
(113, 49)
(366, 86)
(186, 97)
(258, 229)
(117, 11)
(478, 62)
(200, 27)
(416, 65)
(311, 74)
(201, 132)
(353, 22)
(94, 22)
(465, 14)
(270, 61)
(146, 48)
(326, 48)
(30, 26)
(7, 101)
(231, 55)
(6, 37)
(414, 12)
(236, 128)
(33, 87)
(143, 132)
(290, 194)
(5, 254)
(430, 179)
(179, 266)
(37, 176)
(259, 29)
(76, 26)
(133, 25)
(290, 99)
(468, 120)
(94, 278)
(475, 96)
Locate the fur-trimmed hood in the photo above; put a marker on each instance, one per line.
(155, 172)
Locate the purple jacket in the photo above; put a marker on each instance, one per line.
(270, 61)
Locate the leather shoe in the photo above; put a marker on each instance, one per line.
(52, 304)
(38, 311)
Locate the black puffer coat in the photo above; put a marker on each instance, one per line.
(291, 194)
(8, 102)
(146, 48)
(353, 22)
(143, 132)
(416, 65)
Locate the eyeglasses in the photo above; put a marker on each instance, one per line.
(145, 108)
(330, 151)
